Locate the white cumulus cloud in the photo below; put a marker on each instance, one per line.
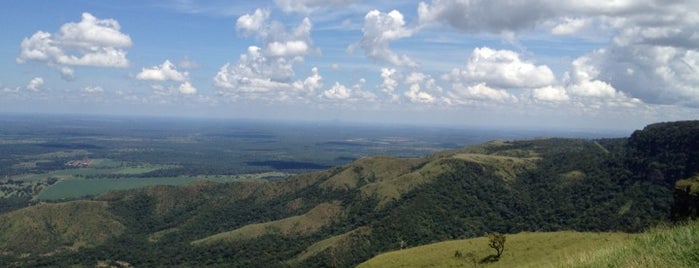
(314, 81)
(90, 42)
(339, 92)
(584, 85)
(466, 94)
(165, 72)
(569, 26)
(35, 84)
(550, 94)
(288, 48)
(502, 69)
(252, 23)
(187, 88)
(422, 88)
(652, 56)
(379, 30)
(389, 83)
(267, 72)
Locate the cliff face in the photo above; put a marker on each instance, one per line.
(668, 154)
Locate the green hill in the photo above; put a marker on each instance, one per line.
(659, 247)
(47, 228)
(345, 215)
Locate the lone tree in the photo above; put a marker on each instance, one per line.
(497, 242)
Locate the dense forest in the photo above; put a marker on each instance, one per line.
(347, 214)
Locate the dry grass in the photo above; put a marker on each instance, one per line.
(521, 250)
(373, 169)
(505, 167)
(300, 225)
(326, 244)
(660, 247)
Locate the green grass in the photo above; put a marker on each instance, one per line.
(98, 167)
(300, 225)
(660, 247)
(521, 250)
(327, 244)
(47, 228)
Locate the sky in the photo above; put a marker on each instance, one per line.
(596, 64)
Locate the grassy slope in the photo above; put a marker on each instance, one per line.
(521, 250)
(305, 224)
(659, 247)
(331, 243)
(45, 228)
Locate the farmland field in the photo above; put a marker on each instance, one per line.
(76, 188)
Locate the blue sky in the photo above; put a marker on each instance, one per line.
(540, 63)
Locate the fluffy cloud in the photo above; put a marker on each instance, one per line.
(582, 80)
(90, 42)
(251, 23)
(279, 42)
(288, 48)
(187, 88)
(308, 6)
(165, 72)
(314, 81)
(379, 30)
(502, 69)
(35, 83)
(255, 73)
(339, 92)
(584, 84)
(465, 94)
(422, 88)
(653, 56)
(268, 72)
(168, 72)
(570, 26)
(658, 74)
(550, 94)
(594, 88)
(389, 83)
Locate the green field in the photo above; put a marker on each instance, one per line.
(76, 188)
(91, 171)
(104, 175)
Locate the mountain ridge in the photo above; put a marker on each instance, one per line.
(383, 203)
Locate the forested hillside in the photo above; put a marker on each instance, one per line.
(345, 215)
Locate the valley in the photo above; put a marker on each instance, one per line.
(265, 199)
